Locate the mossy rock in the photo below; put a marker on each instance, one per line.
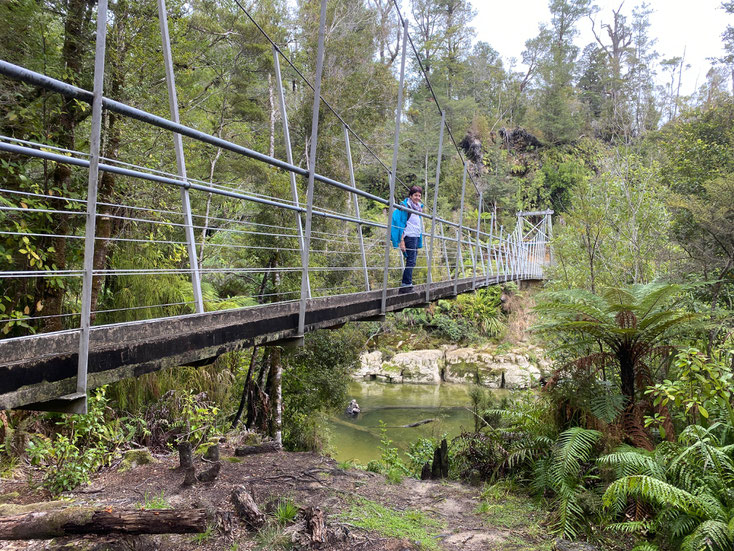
(135, 458)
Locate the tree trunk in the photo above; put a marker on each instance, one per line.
(86, 520)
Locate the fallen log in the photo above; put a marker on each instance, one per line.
(268, 447)
(417, 424)
(86, 520)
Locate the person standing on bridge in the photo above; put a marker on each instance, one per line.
(406, 233)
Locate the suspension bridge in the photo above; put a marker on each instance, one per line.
(347, 268)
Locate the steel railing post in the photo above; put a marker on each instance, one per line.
(356, 207)
(459, 259)
(477, 248)
(180, 161)
(80, 399)
(445, 253)
(289, 156)
(311, 172)
(435, 207)
(391, 204)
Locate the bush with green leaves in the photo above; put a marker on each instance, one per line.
(80, 446)
(685, 487)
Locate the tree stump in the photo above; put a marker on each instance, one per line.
(444, 459)
(315, 524)
(436, 465)
(246, 508)
(426, 471)
(185, 455)
(210, 474)
(189, 477)
(212, 453)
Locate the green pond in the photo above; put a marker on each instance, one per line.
(357, 438)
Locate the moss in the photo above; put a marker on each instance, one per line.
(233, 459)
(8, 497)
(9, 509)
(391, 368)
(135, 458)
(462, 369)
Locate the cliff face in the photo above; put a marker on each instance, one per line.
(490, 367)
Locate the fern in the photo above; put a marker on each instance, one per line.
(645, 546)
(630, 461)
(655, 491)
(710, 535)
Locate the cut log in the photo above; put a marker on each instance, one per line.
(268, 447)
(246, 508)
(86, 520)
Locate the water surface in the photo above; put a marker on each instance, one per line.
(358, 438)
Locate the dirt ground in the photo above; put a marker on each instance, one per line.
(461, 517)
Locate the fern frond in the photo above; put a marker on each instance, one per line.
(631, 461)
(574, 448)
(710, 535)
(645, 546)
(654, 491)
(631, 527)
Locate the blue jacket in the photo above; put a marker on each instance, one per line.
(399, 221)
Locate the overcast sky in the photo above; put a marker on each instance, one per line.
(693, 25)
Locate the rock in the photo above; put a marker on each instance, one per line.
(419, 366)
(135, 458)
(353, 408)
(514, 369)
(370, 364)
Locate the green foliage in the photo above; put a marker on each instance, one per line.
(470, 316)
(285, 512)
(621, 328)
(315, 379)
(154, 502)
(699, 385)
(80, 446)
(408, 524)
(687, 484)
(568, 474)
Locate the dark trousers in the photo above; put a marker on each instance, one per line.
(410, 254)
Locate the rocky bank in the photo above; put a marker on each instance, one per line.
(492, 367)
